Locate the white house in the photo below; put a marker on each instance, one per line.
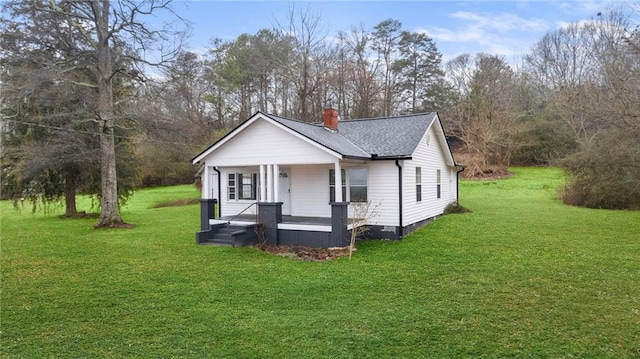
(297, 179)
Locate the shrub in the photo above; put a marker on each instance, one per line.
(605, 173)
(455, 207)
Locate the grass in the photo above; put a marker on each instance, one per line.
(521, 276)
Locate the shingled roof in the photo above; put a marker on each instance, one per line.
(387, 137)
(394, 137)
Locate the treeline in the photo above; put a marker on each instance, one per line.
(573, 101)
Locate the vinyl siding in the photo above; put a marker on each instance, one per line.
(310, 191)
(430, 157)
(233, 207)
(383, 189)
(265, 143)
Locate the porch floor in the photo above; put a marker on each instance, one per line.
(251, 218)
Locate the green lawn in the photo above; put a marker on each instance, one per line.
(521, 276)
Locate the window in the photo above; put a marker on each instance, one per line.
(418, 184)
(248, 181)
(358, 184)
(332, 185)
(231, 186)
(437, 183)
(242, 186)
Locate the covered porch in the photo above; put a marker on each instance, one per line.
(275, 229)
(291, 203)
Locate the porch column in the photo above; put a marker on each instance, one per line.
(270, 214)
(338, 178)
(204, 181)
(263, 184)
(207, 212)
(276, 183)
(339, 220)
(269, 183)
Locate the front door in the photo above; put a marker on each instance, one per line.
(284, 191)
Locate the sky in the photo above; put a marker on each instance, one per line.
(507, 28)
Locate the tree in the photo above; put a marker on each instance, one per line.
(592, 85)
(418, 68)
(385, 43)
(362, 76)
(488, 115)
(49, 146)
(307, 68)
(106, 42)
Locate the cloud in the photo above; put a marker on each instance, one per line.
(499, 22)
(503, 33)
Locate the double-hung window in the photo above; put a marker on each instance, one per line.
(231, 186)
(418, 184)
(437, 183)
(242, 186)
(358, 184)
(249, 183)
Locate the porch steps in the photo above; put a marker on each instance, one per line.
(231, 235)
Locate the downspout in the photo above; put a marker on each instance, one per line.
(399, 198)
(219, 191)
(461, 168)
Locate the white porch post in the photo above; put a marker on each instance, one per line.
(269, 183)
(263, 184)
(205, 182)
(338, 179)
(276, 183)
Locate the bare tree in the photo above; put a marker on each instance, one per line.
(591, 83)
(309, 64)
(94, 36)
(363, 76)
(487, 116)
(385, 40)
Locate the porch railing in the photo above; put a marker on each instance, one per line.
(241, 212)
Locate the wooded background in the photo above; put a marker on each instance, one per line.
(78, 76)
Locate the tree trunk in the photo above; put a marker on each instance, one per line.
(70, 195)
(110, 214)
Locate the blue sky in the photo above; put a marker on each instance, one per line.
(508, 28)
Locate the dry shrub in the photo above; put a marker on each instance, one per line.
(475, 169)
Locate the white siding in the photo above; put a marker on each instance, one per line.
(383, 189)
(265, 143)
(233, 207)
(308, 165)
(430, 157)
(310, 191)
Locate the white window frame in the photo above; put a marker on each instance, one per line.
(365, 185)
(418, 184)
(236, 192)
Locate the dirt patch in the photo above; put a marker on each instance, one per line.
(180, 202)
(82, 214)
(307, 253)
(115, 225)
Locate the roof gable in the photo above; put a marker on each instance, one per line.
(246, 124)
(376, 138)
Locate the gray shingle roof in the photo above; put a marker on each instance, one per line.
(390, 137)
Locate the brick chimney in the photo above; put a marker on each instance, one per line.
(330, 117)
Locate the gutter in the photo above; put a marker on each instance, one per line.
(399, 198)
